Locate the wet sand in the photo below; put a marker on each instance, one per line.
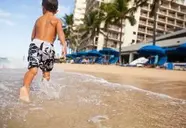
(171, 83)
(76, 100)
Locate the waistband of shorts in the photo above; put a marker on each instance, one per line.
(38, 42)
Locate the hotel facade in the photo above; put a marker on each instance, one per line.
(171, 17)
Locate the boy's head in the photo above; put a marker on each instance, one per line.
(50, 5)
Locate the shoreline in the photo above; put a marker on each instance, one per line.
(170, 83)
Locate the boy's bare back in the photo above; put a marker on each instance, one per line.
(47, 27)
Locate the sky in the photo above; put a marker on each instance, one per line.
(17, 18)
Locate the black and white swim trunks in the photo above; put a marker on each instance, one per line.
(41, 54)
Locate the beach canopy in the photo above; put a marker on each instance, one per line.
(109, 51)
(181, 50)
(94, 53)
(171, 50)
(151, 50)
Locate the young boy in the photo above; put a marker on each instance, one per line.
(41, 51)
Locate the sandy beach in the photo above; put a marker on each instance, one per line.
(108, 97)
(171, 83)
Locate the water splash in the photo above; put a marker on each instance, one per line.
(97, 120)
(12, 63)
(49, 89)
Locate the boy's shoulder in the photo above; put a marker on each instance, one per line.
(53, 19)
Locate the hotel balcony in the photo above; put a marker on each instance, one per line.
(160, 27)
(183, 9)
(145, 7)
(150, 32)
(180, 17)
(144, 14)
(140, 39)
(162, 12)
(162, 20)
(172, 22)
(114, 29)
(173, 15)
(142, 22)
(175, 7)
(141, 30)
(114, 37)
(179, 24)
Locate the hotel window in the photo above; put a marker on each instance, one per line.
(133, 41)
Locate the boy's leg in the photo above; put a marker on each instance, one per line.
(24, 91)
(46, 76)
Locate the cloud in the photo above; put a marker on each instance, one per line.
(7, 18)
(7, 22)
(4, 13)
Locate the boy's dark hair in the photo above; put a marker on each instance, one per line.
(50, 5)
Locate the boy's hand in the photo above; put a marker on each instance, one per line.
(64, 52)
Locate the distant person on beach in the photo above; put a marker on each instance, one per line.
(41, 51)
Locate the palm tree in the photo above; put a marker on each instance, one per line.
(119, 11)
(108, 16)
(91, 25)
(68, 22)
(155, 6)
(70, 34)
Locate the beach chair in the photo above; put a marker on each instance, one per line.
(113, 60)
(169, 66)
(99, 60)
(162, 61)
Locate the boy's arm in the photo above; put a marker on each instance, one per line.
(61, 36)
(33, 32)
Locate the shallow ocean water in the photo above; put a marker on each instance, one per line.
(73, 100)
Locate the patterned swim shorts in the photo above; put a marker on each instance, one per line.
(41, 54)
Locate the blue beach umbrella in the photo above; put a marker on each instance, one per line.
(80, 54)
(73, 55)
(151, 50)
(94, 53)
(109, 51)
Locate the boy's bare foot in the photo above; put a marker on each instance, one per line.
(24, 94)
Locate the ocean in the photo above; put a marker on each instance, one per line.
(74, 100)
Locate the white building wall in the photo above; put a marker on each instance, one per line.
(130, 32)
(79, 12)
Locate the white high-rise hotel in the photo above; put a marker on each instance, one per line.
(79, 12)
(171, 17)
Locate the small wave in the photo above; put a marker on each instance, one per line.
(129, 87)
